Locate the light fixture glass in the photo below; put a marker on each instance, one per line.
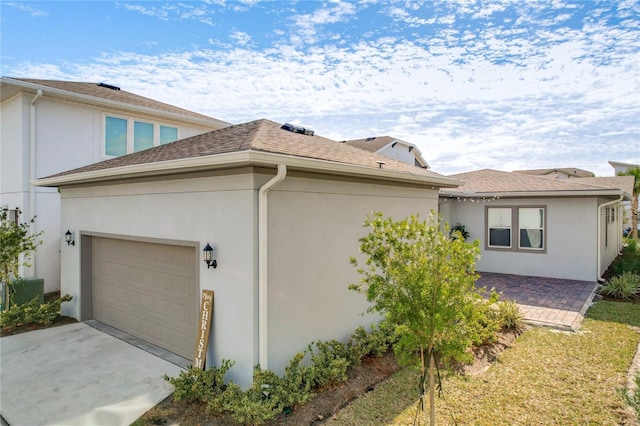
(68, 237)
(207, 255)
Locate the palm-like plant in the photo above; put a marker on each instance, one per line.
(635, 172)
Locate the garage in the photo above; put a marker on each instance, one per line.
(146, 289)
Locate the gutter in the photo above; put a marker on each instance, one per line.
(599, 251)
(263, 278)
(32, 170)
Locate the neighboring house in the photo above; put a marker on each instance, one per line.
(391, 148)
(532, 225)
(561, 173)
(49, 126)
(621, 168)
(283, 211)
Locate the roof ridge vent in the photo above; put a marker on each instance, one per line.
(370, 139)
(108, 86)
(297, 129)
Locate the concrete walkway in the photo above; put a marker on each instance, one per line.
(78, 375)
(548, 302)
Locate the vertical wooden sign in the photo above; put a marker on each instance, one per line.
(204, 325)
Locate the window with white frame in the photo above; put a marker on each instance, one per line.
(531, 226)
(529, 221)
(124, 135)
(499, 222)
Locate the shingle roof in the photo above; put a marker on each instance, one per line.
(371, 144)
(624, 183)
(97, 91)
(260, 135)
(494, 181)
(570, 171)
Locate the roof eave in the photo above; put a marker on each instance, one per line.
(95, 100)
(239, 159)
(537, 194)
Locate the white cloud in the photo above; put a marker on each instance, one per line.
(30, 8)
(526, 95)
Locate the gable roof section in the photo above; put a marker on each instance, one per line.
(489, 182)
(260, 142)
(377, 143)
(96, 94)
(569, 171)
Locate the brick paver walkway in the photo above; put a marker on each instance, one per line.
(548, 302)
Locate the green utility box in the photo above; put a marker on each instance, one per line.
(24, 290)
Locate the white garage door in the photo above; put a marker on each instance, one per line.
(147, 290)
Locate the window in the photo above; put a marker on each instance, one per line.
(531, 226)
(115, 136)
(123, 136)
(499, 227)
(528, 221)
(168, 134)
(142, 136)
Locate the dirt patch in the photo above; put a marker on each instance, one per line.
(361, 380)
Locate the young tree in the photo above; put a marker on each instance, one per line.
(16, 246)
(422, 279)
(635, 172)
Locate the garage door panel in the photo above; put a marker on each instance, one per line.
(148, 290)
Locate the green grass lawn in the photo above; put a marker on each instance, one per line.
(546, 377)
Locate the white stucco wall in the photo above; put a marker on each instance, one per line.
(314, 227)
(217, 209)
(399, 152)
(571, 238)
(68, 135)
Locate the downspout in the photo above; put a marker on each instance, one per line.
(262, 264)
(599, 250)
(32, 172)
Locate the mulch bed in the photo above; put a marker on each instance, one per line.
(9, 331)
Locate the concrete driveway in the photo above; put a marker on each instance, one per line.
(78, 375)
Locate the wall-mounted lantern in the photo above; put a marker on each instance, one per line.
(68, 237)
(208, 257)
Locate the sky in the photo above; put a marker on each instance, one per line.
(507, 85)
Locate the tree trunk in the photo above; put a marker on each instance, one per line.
(432, 390)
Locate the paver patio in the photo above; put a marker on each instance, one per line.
(547, 302)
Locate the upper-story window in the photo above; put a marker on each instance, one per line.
(124, 136)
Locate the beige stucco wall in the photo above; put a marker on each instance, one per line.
(207, 209)
(571, 237)
(314, 227)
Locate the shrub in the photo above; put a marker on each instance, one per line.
(329, 363)
(459, 229)
(510, 317)
(270, 394)
(625, 286)
(629, 260)
(202, 385)
(633, 399)
(484, 319)
(32, 312)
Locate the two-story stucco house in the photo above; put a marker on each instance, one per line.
(50, 126)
